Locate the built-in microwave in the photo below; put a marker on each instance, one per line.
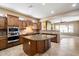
(13, 34)
(13, 29)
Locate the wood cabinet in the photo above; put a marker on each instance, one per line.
(3, 42)
(41, 46)
(25, 23)
(12, 20)
(32, 45)
(3, 22)
(21, 40)
(30, 49)
(37, 26)
(22, 24)
(29, 22)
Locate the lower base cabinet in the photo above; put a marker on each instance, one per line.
(3, 43)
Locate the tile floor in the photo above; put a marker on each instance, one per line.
(68, 46)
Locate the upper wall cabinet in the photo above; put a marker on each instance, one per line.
(12, 20)
(22, 24)
(29, 21)
(3, 22)
(37, 26)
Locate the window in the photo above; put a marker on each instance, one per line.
(57, 27)
(48, 26)
(71, 29)
(44, 25)
(53, 27)
(65, 28)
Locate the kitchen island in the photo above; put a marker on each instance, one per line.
(55, 33)
(38, 43)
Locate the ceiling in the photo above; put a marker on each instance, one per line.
(38, 10)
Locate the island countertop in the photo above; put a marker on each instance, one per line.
(38, 37)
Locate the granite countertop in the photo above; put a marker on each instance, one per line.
(38, 37)
(48, 32)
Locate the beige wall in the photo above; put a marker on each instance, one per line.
(5, 11)
(11, 12)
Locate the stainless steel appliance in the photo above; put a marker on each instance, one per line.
(13, 34)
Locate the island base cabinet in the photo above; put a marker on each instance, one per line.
(32, 47)
(43, 46)
(47, 44)
(29, 47)
(40, 46)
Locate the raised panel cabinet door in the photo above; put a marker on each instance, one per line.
(12, 20)
(3, 43)
(2, 22)
(41, 46)
(20, 24)
(16, 21)
(9, 20)
(24, 24)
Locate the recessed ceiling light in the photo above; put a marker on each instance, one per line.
(43, 4)
(52, 12)
(30, 6)
(74, 5)
(30, 10)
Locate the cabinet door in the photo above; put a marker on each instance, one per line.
(2, 22)
(24, 24)
(20, 24)
(29, 22)
(3, 43)
(12, 20)
(16, 23)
